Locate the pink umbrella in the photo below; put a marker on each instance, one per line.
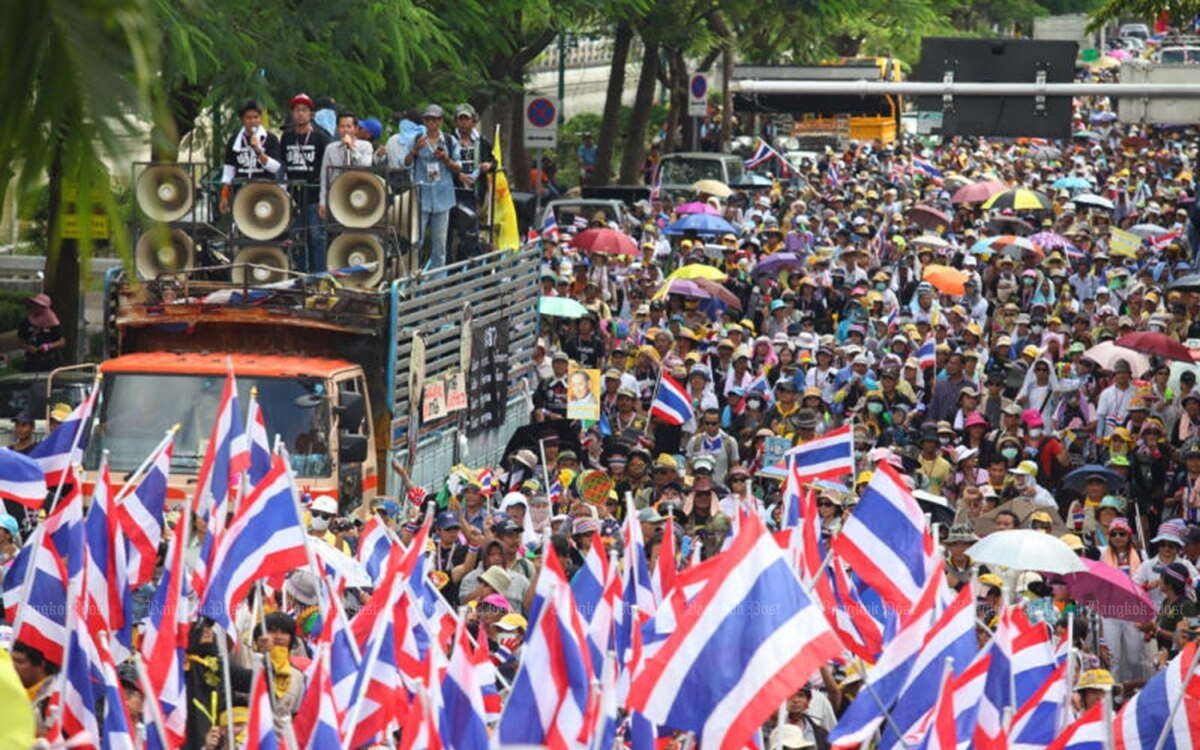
(685, 288)
(978, 192)
(1111, 592)
(1120, 54)
(695, 207)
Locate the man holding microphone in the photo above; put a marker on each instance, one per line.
(251, 153)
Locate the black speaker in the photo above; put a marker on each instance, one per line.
(998, 61)
(463, 242)
(526, 206)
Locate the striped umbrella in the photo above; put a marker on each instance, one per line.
(1019, 199)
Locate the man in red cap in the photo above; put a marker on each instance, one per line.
(303, 149)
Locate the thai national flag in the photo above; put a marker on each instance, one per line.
(722, 673)
(927, 354)
(1022, 661)
(951, 637)
(921, 165)
(228, 455)
(762, 154)
(942, 733)
(1143, 718)
(374, 545)
(1088, 732)
(663, 577)
(257, 441)
(580, 223)
(117, 729)
(589, 586)
(260, 729)
(41, 604)
(967, 691)
(103, 581)
(165, 634)
(893, 318)
(885, 541)
(551, 695)
(891, 673)
(550, 226)
(485, 673)
(831, 175)
(671, 403)
(81, 672)
(1163, 240)
(63, 448)
(462, 719)
(265, 537)
(827, 457)
(1036, 724)
(317, 722)
(140, 514)
(21, 479)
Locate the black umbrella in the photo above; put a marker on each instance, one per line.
(529, 435)
(1077, 479)
(936, 506)
(1189, 283)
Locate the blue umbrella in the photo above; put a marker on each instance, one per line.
(1072, 182)
(704, 224)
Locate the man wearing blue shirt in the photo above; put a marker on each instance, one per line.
(587, 159)
(434, 159)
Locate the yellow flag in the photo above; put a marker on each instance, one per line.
(504, 217)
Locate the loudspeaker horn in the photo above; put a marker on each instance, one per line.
(163, 251)
(164, 193)
(262, 210)
(357, 249)
(404, 214)
(261, 264)
(358, 199)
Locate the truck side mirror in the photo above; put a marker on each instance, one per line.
(352, 449)
(351, 410)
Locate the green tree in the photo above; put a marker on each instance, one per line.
(78, 76)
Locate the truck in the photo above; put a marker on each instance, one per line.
(337, 371)
(1071, 27)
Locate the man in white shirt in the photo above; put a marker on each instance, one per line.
(346, 151)
(1113, 406)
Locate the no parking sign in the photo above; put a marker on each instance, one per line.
(698, 95)
(541, 121)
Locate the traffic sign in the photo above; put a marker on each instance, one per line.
(541, 121)
(698, 95)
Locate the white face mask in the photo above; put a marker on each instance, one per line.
(319, 523)
(1035, 434)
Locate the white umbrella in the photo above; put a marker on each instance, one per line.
(1107, 353)
(1026, 549)
(930, 240)
(1095, 201)
(337, 564)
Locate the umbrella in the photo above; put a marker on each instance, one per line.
(1147, 230)
(1024, 509)
(1026, 549)
(776, 262)
(1045, 153)
(978, 192)
(1010, 225)
(1085, 135)
(698, 271)
(1050, 241)
(1071, 182)
(1107, 354)
(752, 180)
(1110, 592)
(700, 224)
(696, 207)
(927, 217)
(1106, 115)
(718, 292)
(684, 287)
(1019, 199)
(954, 181)
(1014, 246)
(946, 279)
(936, 506)
(1158, 344)
(607, 241)
(1077, 479)
(1188, 283)
(930, 240)
(712, 187)
(561, 307)
(1092, 201)
(527, 436)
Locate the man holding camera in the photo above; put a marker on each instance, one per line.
(435, 162)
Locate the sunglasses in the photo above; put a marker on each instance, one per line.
(824, 504)
(322, 515)
(1114, 534)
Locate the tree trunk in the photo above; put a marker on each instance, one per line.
(602, 174)
(727, 96)
(679, 101)
(62, 260)
(639, 119)
(675, 110)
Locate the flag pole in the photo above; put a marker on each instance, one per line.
(138, 473)
(1109, 731)
(780, 717)
(150, 700)
(1175, 703)
(75, 441)
(223, 652)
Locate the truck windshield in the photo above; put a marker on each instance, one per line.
(683, 171)
(135, 411)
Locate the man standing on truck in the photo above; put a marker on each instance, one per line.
(303, 153)
(251, 153)
(434, 158)
(475, 155)
(348, 151)
(587, 159)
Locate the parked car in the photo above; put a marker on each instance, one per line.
(566, 210)
(678, 172)
(1139, 30)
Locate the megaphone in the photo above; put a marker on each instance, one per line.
(357, 249)
(262, 210)
(358, 199)
(260, 264)
(404, 214)
(163, 251)
(164, 193)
